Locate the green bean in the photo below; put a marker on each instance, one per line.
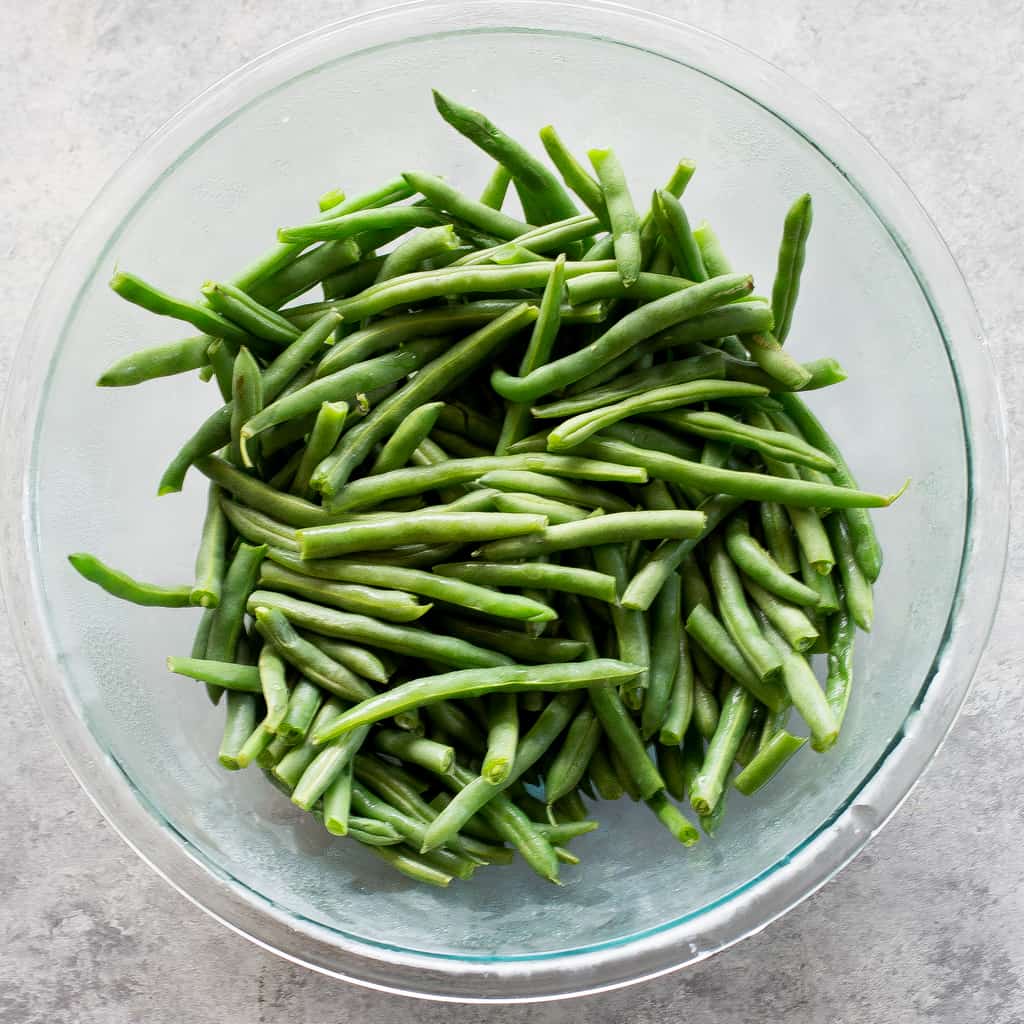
(502, 737)
(308, 658)
(115, 582)
(415, 528)
(670, 764)
(248, 314)
(257, 528)
(555, 488)
(820, 373)
(226, 626)
(709, 784)
(331, 198)
(389, 605)
(602, 774)
(556, 512)
(716, 640)
(632, 329)
(274, 687)
(538, 352)
(792, 251)
(441, 196)
(330, 422)
(159, 361)
(751, 738)
(216, 431)
(304, 705)
(347, 225)
(705, 709)
(412, 253)
(307, 270)
(741, 484)
(616, 527)
(799, 631)
(367, 664)
(683, 371)
(544, 199)
(768, 761)
(666, 628)
(202, 634)
(326, 767)
(268, 758)
(622, 215)
(672, 818)
(406, 438)
(760, 567)
(674, 227)
(459, 418)
(666, 558)
(246, 402)
(622, 771)
(451, 722)
(253, 748)
(412, 865)
(540, 575)
(400, 639)
(572, 432)
(435, 757)
(337, 802)
(715, 261)
(736, 614)
(225, 674)
(346, 282)
(137, 291)
(862, 534)
(222, 362)
(841, 635)
(437, 375)
(680, 708)
(856, 588)
(570, 763)
(569, 807)
(573, 173)
(369, 492)
(779, 537)
(496, 188)
(239, 723)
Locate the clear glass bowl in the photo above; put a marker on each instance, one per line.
(350, 104)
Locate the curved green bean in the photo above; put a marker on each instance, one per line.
(502, 737)
(792, 253)
(756, 563)
(856, 588)
(159, 361)
(556, 488)
(119, 584)
(537, 575)
(403, 218)
(789, 619)
(441, 196)
(225, 674)
(251, 316)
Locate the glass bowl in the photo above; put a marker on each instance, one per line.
(350, 104)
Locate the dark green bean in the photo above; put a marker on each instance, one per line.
(602, 774)
(544, 199)
(680, 708)
(304, 705)
(556, 488)
(674, 227)
(672, 818)
(670, 764)
(123, 586)
(666, 628)
(135, 290)
(556, 512)
(287, 509)
(790, 620)
(540, 575)
(330, 422)
(622, 215)
(246, 402)
(573, 757)
(709, 784)
(856, 588)
(442, 196)
(841, 635)
(239, 723)
(792, 252)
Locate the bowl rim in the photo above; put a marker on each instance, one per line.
(777, 889)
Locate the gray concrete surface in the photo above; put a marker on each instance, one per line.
(927, 925)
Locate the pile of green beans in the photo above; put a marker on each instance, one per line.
(525, 513)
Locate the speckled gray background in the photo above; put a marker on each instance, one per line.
(927, 925)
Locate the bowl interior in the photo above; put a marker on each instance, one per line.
(353, 122)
